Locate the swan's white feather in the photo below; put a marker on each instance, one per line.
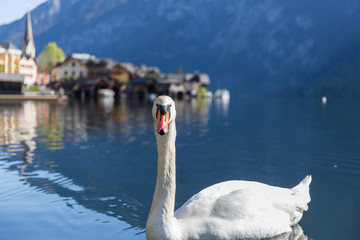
(243, 209)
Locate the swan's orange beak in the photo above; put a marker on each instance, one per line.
(163, 122)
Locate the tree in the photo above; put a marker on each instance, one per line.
(50, 55)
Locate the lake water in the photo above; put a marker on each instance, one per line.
(88, 170)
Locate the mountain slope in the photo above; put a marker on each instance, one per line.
(272, 45)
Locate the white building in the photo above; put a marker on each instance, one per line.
(9, 58)
(28, 68)
(71, 68)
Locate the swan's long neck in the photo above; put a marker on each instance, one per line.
(161, 217)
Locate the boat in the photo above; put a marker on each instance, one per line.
(107, 93)
(222, 94)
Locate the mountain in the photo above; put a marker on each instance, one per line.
(263, 45)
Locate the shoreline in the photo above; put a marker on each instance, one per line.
(28, 97)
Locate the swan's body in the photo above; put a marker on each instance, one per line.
(227, 210)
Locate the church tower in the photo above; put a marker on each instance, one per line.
(27, 62)
(28, 47)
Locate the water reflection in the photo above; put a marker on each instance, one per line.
(296, 234)
(91, 149)
(18, 127)
(101, 154)
(222, 106)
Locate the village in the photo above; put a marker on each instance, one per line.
(84, 75)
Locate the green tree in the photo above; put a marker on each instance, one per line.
(50, 55)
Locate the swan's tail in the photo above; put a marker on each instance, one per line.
(302, 190)
(303, 197)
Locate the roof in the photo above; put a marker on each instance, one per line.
(83, 56)
(129, 67)
(71, 59)
(101, 64)
(28, 36)
(203, 78)
(8, 46)
(86, 83)
(171, 78)
(18, 78)
(28, 46)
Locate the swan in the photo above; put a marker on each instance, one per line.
(227, 210)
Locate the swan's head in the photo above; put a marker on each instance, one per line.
(163, 112)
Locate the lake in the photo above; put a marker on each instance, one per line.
(87, 170)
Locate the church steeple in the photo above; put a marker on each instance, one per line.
(28, 47)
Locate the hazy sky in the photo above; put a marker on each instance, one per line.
(11, 10)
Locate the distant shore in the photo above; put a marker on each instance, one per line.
(28, 97)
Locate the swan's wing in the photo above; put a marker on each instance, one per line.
(241, 208)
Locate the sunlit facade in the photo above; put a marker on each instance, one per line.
(9, 58)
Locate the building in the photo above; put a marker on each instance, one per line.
(81, 65)
(28, 68)
(27, 63)
(100, 67)
(9, 58)
(71, 69)
(120, 73)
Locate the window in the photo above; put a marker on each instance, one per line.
(73, 64)
(65, 73)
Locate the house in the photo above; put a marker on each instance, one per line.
(140, 87)
(170, 84)
(88, 86)
(100, 67)
(120, 73)
(130, 67)
(200, 79)
(70, 69)
(13, 61)
(196, 81)
(28, 68)
(9, 58)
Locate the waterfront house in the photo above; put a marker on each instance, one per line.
(14, 61)
(85, 65)
(70, 69)
(200, 79)
(9, 58)
(88, 86)
(28, 68)
(100, 67)
(171, 84)
(121, 73)
(141, 86)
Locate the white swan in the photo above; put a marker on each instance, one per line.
(227, 210)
